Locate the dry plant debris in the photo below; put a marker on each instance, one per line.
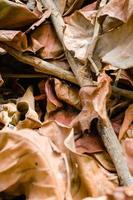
(66, 100)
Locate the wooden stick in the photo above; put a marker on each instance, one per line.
(40, 65)
(81, 75)
(50, 69)
(79, 70)
(115, 151)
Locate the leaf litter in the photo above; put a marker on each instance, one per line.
(66, 109)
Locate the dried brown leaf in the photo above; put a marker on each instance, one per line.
(79, 31)
(69, 6)
(87, 174)
(52, 101)
(64, 116)
(128, 119)
(121, 193)
(128, 149)
(15, 39)
(15, 15)
(30, 169)
(26, 106)
(45, 41)
(93, 100)
(115, 47)
(67, 93)
(89, 144)
(121, 10)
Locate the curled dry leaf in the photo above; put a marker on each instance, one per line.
(45, 41)
(106, 162)
(93, 100)
(30, 169)
(64, 116)
(15, 15)
(120, 10)
(40, 38)
(57, 133)
(89, 144)
(52, 101)
(58, 92)
(69, 6)
(87, 174)
(67, 93)
(15, 39)
(128, 149)
(26, 107)
(128, 119)
(87, 114)
(114, 13)
(114, 51)
(79, 31)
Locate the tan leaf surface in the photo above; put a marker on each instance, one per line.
(121, 193)
(31, 165)
(88, 174)
(15, 15)
(105, 161)
(93, 100)
(15, 39)
(79, 31)
(128, 119)
(96, 198)
(69, 6)
(89, 144)
(67, 93)
(26, 107)
(128, 149)
(52, 101)
(40, 38)
(63, 116)
(45, 41)
(115, 47)
(121, 10)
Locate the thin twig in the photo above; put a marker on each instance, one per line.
(40, 65)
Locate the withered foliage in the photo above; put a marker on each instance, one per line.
(50, 144)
